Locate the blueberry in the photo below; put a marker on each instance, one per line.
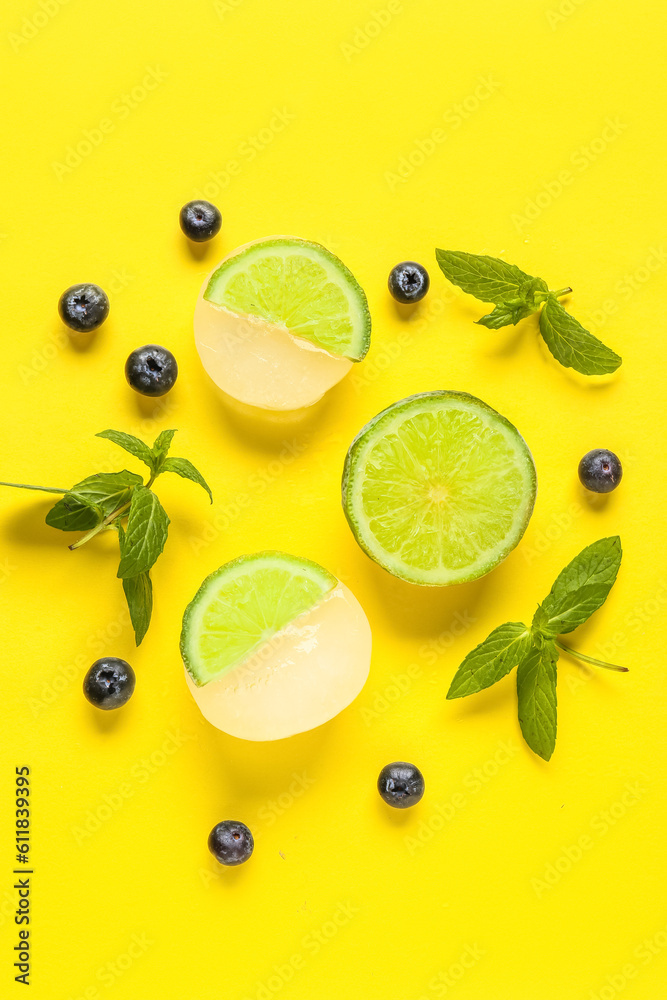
(409, 282)
(200, 220)
(600, 471)
(83, 307)
(151, 370)
(109, 683)
(400, 784)
(231, 843)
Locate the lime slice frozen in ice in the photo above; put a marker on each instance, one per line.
(299, 286)
(242, 605)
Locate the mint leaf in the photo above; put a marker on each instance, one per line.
(139, 596)
(108, 490)
(146, 533)
(572, 345)
(502, 650)
(160, 448)
(506, 314)
(580, 589)
(74, 513)
(130, 443)
(182, 467)
(536, 689)
(487, 278)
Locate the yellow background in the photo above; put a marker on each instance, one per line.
(372, 903)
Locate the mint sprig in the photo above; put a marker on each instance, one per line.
(517, 295)
(580, 589)
(105, 500)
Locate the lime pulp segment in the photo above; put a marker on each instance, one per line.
(242, 605)
(300, 286)
(439, 488)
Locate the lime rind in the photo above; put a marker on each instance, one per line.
(299, 285)
(242, 605)
(488, 469)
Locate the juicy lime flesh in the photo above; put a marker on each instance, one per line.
(439, 488)
(299, 286)
(244, 604)
(299, 679)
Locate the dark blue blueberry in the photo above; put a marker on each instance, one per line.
(600, 471)
(151, 370)
(109, 683)
(200, 220)
(83, 307)
(400, 784)
(231, 843)
(409, 282)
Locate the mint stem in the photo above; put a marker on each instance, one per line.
(589, 659)
(100, 527)
(107, 521)
(562, 291)
(42, 489)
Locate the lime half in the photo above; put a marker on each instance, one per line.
(299, 286)
(439, 488)
(274, 645)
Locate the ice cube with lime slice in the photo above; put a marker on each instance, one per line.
(439, 488)
(274, 645)
(279, 322)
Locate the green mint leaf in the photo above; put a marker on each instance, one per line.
(130, 443)
(502, 650)
(506, 314)
(487, 278)
(536, 689)
(161, 446)
(41, 489)
(146, 533)
(182, 467)
(580, 589)
(74, 513)
(108, 490)
(572, 345)
(139, 596)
